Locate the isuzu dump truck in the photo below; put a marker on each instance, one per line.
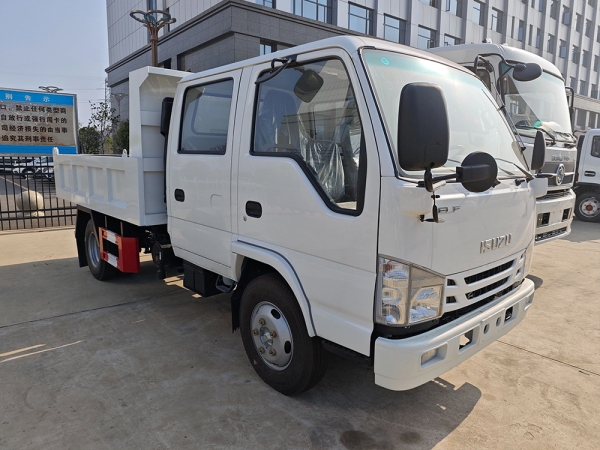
(354, 196)
(539, 104)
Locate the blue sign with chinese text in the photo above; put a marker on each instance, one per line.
(36, 122)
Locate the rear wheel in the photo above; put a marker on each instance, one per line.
(587, 207)
(100, 269)
(27, 173)
(275, 337)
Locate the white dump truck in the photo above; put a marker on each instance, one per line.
(587, 179)
(354, 196)
(532, 105)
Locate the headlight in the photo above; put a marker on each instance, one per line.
(407, 294)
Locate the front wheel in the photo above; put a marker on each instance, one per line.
(100, 269)
(275, 337)
(587, 207)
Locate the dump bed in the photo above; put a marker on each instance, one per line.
(129, 187)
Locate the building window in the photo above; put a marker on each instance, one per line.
(394, 29)
(541, 5)
(267, 3)
(429, 2)
(454, 7)
(581, 113)
(596, 63)
(598, 34)
(592, 119)
(314, 9)
(267, 47)
(426, 38)
(589, 28)
(583, 87)
(538, 38)
(562, 52)
(594, 93)
(575, 54)
(360, 19)
(578, 21)
(566, 17)
(585, 59)
(573, 82)
(530, 34)
(496, 20)
(592, 3)
(520, 36)
(551, 44)
(554, 4)
(450, 40)
(478, 10)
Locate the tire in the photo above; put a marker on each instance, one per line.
(26, 173)
(587, 206)
(299, 361)
(100, 269)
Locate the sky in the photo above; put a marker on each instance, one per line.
(61, 43)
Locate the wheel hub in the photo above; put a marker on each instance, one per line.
(93, 251)
(590, 207)
(271, 335)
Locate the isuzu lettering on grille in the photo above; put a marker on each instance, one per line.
(498, 242)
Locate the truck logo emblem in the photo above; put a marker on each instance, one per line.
(492, 244)
(560, 158)
(560, 174)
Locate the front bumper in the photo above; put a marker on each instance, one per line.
(398, 361)
(556, 227)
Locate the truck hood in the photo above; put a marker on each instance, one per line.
(478, 229)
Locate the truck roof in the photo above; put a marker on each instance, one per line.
(349, 43)
(466, 53)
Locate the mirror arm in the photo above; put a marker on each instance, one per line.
(287, 62)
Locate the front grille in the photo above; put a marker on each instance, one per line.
(551, 167)
(568, 179)
(550, 234)
(490, 287)
(488, 273)
(552, 195)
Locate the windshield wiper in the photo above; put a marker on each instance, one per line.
(528, 127)
(528, 176)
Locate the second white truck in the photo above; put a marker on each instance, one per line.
(539, 104)
(354, 196)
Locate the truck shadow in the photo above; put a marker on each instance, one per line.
(583, 231)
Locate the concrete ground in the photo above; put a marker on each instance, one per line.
(138, 363)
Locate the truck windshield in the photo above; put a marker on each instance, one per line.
(473, 116)
(541, 103)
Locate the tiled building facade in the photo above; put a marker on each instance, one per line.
(210, 33)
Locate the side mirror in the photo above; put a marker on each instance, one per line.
(539, 152)
(478, 172)
(527, 72)
(423, 131)
(308, 85)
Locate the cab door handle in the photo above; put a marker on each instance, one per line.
(589, 173)
(254, 209)
(179, 195)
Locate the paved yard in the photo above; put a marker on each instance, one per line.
(138, 363)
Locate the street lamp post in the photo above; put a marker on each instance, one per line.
(150, 19)
(118, 97)
(50, 89)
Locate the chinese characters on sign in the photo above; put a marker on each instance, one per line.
(32, 122)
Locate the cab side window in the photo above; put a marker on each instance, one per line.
(596, 146)
(206, 110)
(308, 113)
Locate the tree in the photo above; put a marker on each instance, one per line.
(104, 121)
(121, 140)
(89, 140)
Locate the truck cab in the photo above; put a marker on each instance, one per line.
(354, 196)
(540, 104)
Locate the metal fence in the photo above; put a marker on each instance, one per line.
(28, 195)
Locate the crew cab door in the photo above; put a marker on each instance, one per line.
(199, 171)
(590, 164)
(308, 188)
